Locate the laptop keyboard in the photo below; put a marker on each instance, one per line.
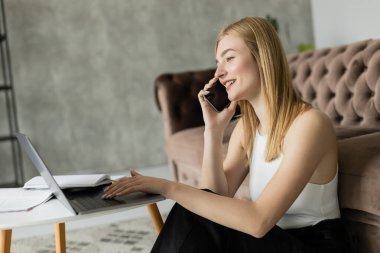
(88, 203)
(89, 199)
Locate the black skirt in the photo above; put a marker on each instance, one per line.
(186, 232)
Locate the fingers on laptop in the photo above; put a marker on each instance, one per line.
(120, 187)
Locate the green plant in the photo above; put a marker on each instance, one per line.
(302, 47)
(273, 21)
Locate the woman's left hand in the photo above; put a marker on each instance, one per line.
(137, 183)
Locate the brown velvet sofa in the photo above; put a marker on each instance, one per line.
(343, 82)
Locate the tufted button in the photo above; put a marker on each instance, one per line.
(362, 48)
(339, 118)
(325, 71)
(349, 95)
(341, 50)
(332, 95)
(294, 74)
(371, 94)
(308, 72)
(308, 54)
(359, 119)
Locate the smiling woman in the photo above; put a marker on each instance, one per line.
(236, 60)
(293, 171)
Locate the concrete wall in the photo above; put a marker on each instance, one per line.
(84, 70)
(341, 22)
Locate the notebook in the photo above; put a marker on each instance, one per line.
(70, 181)
(82, 200)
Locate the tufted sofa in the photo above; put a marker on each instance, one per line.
(343, 82)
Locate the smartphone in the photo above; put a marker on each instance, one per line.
(218, 97)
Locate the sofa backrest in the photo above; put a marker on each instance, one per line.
(343, 82)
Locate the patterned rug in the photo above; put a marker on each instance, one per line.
(136, 235)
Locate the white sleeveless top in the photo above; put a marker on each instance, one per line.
(314, 204)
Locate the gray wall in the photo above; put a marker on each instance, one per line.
(84, 70)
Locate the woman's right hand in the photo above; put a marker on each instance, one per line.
(216, 121)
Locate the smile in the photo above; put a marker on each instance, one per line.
(229, 84)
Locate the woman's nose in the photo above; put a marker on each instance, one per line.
(219, 72)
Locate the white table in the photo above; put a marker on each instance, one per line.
(53, 212)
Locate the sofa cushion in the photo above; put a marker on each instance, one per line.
(187, 146)
(363, 230)
(359, 173)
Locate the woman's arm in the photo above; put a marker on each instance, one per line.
(213, 176)
(307, 144)
(225, 177)
(235, 164)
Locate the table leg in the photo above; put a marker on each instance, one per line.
(156, 217)
(5, 242)
(60, 238)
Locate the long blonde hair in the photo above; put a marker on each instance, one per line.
(282, 102)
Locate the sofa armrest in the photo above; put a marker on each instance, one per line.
(177, 98)
(359, 173)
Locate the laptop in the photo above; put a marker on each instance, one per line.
(83, 200)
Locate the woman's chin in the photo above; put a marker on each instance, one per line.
(232, 97)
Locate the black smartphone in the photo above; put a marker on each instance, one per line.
(218, 97)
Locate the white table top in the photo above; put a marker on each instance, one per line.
(52, 212)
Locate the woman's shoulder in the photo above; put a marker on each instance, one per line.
(312, 117)
(315, 114)
(311, 123)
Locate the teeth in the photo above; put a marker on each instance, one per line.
(229, 83)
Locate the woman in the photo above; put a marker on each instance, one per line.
(289, 147)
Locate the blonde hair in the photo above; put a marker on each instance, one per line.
(282, 102)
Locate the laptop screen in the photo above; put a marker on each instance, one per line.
(43, 170)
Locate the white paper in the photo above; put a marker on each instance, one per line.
(117, 177)
(19, 199)
(68, 181)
